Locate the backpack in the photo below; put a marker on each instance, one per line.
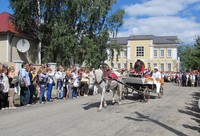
(1, 84)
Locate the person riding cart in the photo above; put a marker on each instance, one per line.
(139, 68)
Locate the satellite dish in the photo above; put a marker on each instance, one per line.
(23, 45)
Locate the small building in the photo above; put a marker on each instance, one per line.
(15, 45)
(154, 51)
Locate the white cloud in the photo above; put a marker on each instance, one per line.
(161, 18)
(158, 7)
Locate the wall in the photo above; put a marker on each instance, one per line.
(31, 56)
(3, 48)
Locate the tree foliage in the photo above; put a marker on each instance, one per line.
(190, 56)
(67, 29)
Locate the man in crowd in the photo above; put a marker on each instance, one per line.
(24, 80)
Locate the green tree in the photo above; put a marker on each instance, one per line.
(196, 54)
(189, 56)
(67, 29)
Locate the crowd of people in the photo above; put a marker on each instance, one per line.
(35, 86)
(186, 79)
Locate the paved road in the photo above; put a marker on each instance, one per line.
(175, 114)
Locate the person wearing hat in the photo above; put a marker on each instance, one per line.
(157, 76)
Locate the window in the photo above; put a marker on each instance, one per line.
(125, 65)
(125, 54)
(155, 53)
(162, 66)
(119, 66)
(140, 51)
(162, 53)
(169, 66)
(169, 53)
(155, 65)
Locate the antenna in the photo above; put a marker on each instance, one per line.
(23, 45)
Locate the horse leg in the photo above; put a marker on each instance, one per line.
(101, 102)
(120, 93)
(103, 94)
(113, 97)
(104, 103)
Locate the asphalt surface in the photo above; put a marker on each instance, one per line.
(176, 113)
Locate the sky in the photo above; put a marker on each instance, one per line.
(155, 17)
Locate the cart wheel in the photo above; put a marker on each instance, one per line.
(161, 92)
(124, 94)
(146, 94)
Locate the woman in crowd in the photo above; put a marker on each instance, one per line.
(59, 76)
(12, 84)
(189, 83)
(50, 85)
(80, 73)
(68, 82)
(34, 82)
(75, 82)
(85, 81)
(43, 79)
(5, 82)
(31, 87)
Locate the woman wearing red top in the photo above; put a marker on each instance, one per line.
(139, 67)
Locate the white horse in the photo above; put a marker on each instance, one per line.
(96, 78)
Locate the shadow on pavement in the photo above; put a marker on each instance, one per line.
(143, 118)
(192, 109)
(88, 106)
(136, 97)
(135, 119)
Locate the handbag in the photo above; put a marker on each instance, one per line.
(84, 80)
(22, 83)
(15, 80)
(75, 84)
(53, 83)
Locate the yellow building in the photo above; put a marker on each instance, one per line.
(154, 51)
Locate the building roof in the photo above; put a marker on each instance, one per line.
(165, 40)
(156, 39)
(6, 23)
(141, 37)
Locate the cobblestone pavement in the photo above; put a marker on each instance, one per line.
(176, 113)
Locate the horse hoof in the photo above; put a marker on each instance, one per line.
(99, 110)
(105, 106)
(119, 103)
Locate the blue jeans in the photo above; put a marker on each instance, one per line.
(74, 91)
(59, 89)
(49, 91)
(42, 91)
(24, 96)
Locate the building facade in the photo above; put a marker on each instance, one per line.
(154, 51)
(9, 37)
